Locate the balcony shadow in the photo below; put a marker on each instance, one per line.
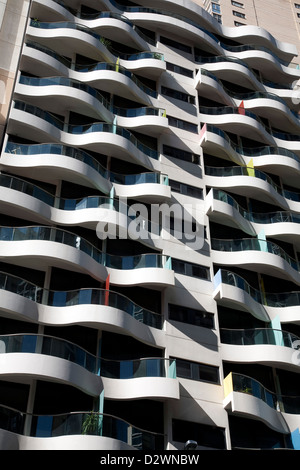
(184, 106)
(192, 410)
(207, 337)
(204, 336)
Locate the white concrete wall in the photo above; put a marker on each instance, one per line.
(13, 17)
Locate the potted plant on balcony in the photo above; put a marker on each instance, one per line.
(91, 424)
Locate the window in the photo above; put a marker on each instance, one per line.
(237, 23)
(179, 95)
(237, 4)
(195, 371)
(190, 269)
(217, 17)
(181, 154)
(239, 14)
(215, 8)
(186, 189)
(191, 316)
(203, 434)
(180, 70)
(184, 125)
(175, 44)
(297, 5)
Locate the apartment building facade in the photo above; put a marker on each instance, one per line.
(118, 329)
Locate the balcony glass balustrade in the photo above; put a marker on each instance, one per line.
(67, 82)
(250, 95)
(85, 29)
(78, 154)
(250, 151)
(115, 369)
(88, 296)
(51, 234)
(253, 244)
(70, 83)
(270, 299)
(138, 9)
(239, 48)
(280, 403)
(214, 111)
(256, 217)
(80, 423)
(221, 58)
(244, 171)
(216, 59)
(220, 110)
(89, 202)
(93, 67)
(259, 336)
(102, 14)
(86, 128)
(105, 14)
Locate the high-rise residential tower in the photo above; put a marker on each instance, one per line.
(149, 238)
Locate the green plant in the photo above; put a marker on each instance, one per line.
(36, 22)
(91, 423)
(105, 42)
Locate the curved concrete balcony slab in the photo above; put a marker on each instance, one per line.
(112, 312)
(111, 138)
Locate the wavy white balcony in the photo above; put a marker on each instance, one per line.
(264, 103)
(232, 291)
(272, 107)
(189, 28)
(230, 69)
(255, 183)
(289, 141)
(36, 124)
(245, 396)
(245, 123)
(110, 77)
(172, 21)
(62, 94)
(73, 431)
(188, 11)
(238, 121)
(30, 201)
(100, 308)
(278, 160)
(211, 87)
(262, 58)
(257, 255)
(34, 356)
(68, 38)
(63, 361)
(222, 208)
(58, 94)
(52, 161)
(110, 24)
(40, 246)
(237, 71)
(275, 348)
